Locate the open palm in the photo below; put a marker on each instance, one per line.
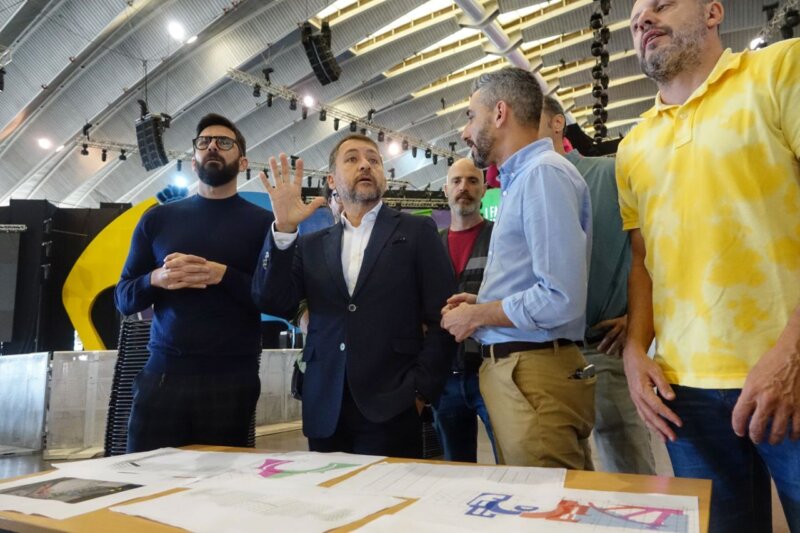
(286, 195)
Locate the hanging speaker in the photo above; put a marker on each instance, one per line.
(318, 50)
(150, 139)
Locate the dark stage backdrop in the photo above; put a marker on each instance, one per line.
(48, 249)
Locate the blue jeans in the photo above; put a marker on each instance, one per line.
(740, 471)
(456, 418)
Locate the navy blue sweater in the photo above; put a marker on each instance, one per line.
(198, 330)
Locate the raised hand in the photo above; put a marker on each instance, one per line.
(286, 195)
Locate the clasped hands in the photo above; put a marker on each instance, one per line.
(185, 271)
(459, 315)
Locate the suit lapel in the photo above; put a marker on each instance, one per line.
(332, 244)
(387, 221)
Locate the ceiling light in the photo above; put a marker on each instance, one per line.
(757, 43)
(308, 100)
(45, 143)
(394, 148)
(191, 39)
(176, 31)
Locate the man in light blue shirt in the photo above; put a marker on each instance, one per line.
(530, 310)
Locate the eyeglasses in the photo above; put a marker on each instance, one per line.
(223, 143)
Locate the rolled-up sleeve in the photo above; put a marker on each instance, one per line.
(558, 247)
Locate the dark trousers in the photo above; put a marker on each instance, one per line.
(400, 436)
(740, 471)
(181, 409)
(456, 418)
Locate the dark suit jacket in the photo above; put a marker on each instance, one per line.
(375, 338)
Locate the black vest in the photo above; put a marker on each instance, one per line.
(468, 358)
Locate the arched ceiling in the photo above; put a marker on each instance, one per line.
(75, 62)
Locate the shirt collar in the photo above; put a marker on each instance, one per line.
(521, 159)
(368, 217)
(727, 61)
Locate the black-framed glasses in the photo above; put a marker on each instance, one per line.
(223, 143)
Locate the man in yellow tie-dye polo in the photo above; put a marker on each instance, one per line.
(709, 186)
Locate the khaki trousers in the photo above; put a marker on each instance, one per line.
(540, 415)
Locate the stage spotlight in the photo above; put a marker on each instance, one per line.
(336, 124)
(435, 159)
(180, 165)
(353, 127)
(2, 79)
(257, 91)
(293, 104)
(452, 146)
(596, 21)
(413, 151)
(605, 35)
(122, 156)
(428, 153)
(323, 115)
(308, 101)
(85, 149)
(450, 161)
(293, 159)
(304, 112)
(394, 148)
(267, 71)
(363, 131)
(269, 99)
(85, 129)
(104, 155)
(370, 114)
(405, 144)
(381, 136)
(247, 175)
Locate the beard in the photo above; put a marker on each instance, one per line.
(360, 195)
(465, 209)
(481, 148)
(217, 173)
(682, 53)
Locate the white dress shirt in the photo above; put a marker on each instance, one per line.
(354, 242)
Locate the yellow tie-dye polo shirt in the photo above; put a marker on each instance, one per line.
(714, 186)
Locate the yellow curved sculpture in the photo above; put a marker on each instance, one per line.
(97, 269)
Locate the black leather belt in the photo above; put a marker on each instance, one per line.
(504, 349)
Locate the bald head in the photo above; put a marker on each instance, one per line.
(464, 188)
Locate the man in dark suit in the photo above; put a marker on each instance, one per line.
(375, 284)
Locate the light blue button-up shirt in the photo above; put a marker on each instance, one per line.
(539, 254)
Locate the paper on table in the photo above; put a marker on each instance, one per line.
(165, 464)
(188, 466)
(414, 480)
(505, 508)
(245, 505)
(60, 495)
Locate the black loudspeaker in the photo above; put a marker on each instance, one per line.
(318, 50)
(150, 138)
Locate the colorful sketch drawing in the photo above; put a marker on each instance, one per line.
(69, 490)
(272, 469)
(621, 516)
(487, 505)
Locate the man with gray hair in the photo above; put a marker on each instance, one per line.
(530, 309)
(620, 436)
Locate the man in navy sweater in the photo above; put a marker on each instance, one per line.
(192, 261)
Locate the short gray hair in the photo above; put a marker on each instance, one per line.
(552, 107)
(516, 87)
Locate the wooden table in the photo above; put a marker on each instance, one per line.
(106, 521)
